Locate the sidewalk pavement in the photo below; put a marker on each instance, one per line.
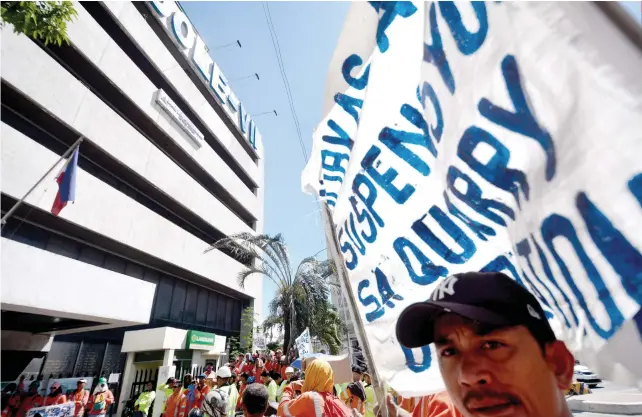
(620, 403)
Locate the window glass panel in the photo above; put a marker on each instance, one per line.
(229, 311)
(201, 309)
(189, 316)
(114, 263)
(178, 301)
(212, 307)
(163, 297)
(92, 256)
(63, 246)
(220, 311)
(236, 316)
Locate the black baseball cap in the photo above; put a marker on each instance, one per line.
(491, 298)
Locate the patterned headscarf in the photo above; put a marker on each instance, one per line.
(215, 403)
(319, 377)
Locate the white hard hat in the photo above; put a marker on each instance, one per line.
(289, 370)
(224, 372)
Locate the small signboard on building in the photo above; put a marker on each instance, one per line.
(200, 340)
(168, 105)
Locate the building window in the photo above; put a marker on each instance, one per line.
(189, 315)
(212, 307)
(201, 309)
(164, 292)
(178, 301)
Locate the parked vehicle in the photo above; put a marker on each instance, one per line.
(585, 374)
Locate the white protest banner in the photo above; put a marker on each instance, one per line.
(59, 410)
(303, 344)
(259, 341)
(503, 136)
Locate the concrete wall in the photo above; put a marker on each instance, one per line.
(160, 338)
(99, 207)
(55, 285)
(86, 35)
(14, 340)
(131, 20)
(107, 211)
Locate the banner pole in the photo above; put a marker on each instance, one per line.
(333, 245)
(19, 203)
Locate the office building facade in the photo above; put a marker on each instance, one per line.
(170, 162)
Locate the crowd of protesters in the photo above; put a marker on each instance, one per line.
(496, 351)
(18, 399)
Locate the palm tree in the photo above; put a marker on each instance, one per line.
(301, 298)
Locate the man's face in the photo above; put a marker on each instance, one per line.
(80, 385)
(265, 379)
(289, 375)
(208, 367)
(148, 386)
(356, 377)
(501, 372)
(220, 381)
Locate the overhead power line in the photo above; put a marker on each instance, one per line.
(286, 83)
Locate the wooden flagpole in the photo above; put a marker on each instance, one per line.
(333, 246)
(19, 203)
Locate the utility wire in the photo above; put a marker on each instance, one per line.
(286, 83)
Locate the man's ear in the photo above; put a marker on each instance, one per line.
(561, 362)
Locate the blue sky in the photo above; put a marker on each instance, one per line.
(307, 34)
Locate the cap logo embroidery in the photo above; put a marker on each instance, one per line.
(532, 312)
(446, 287)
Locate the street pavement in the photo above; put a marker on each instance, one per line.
(608, 387)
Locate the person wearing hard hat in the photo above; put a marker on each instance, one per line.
(55, 396)
(289, 371)
(176, 405)
(101, 399)
(223, 377)
(80, 397)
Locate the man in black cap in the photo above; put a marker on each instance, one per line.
(496, 351)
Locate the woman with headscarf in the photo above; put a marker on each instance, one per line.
(316, 399)
(216, 403)
(101, 399)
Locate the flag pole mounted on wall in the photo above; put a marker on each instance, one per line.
(66, 155)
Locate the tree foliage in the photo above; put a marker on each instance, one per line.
(273, 346)
(301, 298)
(41, 20)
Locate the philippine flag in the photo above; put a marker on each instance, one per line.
(66, 184)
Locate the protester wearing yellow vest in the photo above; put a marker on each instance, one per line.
(223, 377)
(144, 401)
(370, 395)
